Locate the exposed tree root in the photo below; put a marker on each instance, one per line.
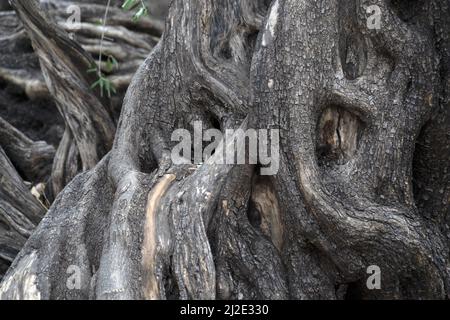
(137, 226)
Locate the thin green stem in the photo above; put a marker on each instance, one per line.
(100, 56)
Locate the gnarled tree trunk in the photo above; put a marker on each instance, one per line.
(363, 179)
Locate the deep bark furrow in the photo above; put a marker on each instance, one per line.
(32, 159)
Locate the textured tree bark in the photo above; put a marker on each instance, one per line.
(353, 190)
(129, 42)
(32, 159)
(89, 118)
(64, 64)
(20, 212)
(21, 74)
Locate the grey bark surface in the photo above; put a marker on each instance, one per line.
(32, 159)
(364, 173)
(26, 98)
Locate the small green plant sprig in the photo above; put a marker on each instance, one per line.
(102, 82)
(139, 5)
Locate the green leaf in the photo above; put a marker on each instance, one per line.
(129, 4)
(113, 60)
(111, 63)
(141, 13)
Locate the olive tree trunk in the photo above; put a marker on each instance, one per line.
(363, 177)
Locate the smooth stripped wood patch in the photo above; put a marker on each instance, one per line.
(151, 290)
